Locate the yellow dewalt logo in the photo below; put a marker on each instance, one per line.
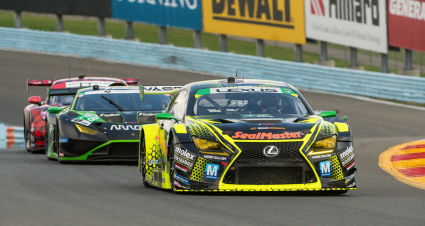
(260, 12)
(280, 20)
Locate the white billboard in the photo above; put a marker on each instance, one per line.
(356, 23)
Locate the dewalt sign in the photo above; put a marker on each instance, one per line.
(279, 20)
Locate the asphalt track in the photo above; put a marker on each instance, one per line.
(35, 191)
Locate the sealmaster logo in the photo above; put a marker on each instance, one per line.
(261, 12)
(317, 7)
(267, 136)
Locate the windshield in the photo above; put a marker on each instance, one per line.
(60, 100)
(126, 101)
(248, 103)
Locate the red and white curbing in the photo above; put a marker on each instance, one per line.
(11, 136)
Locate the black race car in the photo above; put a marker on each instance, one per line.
(103, 123)
(245, 135)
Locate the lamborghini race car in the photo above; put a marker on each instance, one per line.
(103, 123)
(61, 93)
(245, 135)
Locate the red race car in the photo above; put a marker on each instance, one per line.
(61, 93)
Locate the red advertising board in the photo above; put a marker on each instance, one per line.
(406, 24)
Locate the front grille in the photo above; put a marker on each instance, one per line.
(124, 149)
(253, 152)
(85, 146)
(270, 175)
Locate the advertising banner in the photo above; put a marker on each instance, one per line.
(279, 20)
(406, 24)
(97, 8)
(356, 23)
(173, 13)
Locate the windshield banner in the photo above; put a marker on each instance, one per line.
(170, 13)
(356, 23)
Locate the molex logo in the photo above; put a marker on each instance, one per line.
(317, 7)
(271, 151)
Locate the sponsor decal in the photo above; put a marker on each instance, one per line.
(181, 179)
(268, 136)
(177, 184)
(85, 84)
(80, 121)
(179, 167)
(126, 127)
(185, 153)
(146, 114)
(89, 117)
(321, 156)
(109, 115)
(61, 154)
(347, 152)
(183, 161)
(221, 158)
(63, 140)
(271, 151)
(325, 169)
(152, 161)
(348, 160)
(350, 166)
(349, 178)
(211, 171)
(278, 128)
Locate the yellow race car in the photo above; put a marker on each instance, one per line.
(245, 135)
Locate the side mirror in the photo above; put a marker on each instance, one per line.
(35, 100)
(54, 110)
(327, 114)
(165, 116)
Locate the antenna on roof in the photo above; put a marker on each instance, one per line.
(110, 76)
(243, 78)
(236, 74)
(56, 77)
(69, 70)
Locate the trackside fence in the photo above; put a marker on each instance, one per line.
(11, 136)
(371, 84)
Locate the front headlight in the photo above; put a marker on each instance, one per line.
(209, 147)
(323, 146)
(86, 130)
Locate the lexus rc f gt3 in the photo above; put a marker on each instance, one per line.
(103, 123)
(245, 135)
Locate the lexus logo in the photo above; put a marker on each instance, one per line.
(271, 151)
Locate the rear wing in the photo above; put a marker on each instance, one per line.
(149, 90)
(39, 83)
(131, 81)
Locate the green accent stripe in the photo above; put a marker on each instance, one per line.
(85, 156)
(203, 92)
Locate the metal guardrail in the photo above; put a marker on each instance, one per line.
(11, 136)
(363, 83)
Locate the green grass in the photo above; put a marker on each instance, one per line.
(177, 37)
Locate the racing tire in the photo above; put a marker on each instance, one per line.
(26, 133)
(27, 142)
(143, 164)
(46, 144)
